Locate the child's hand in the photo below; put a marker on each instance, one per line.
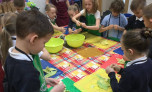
(75, 31)
(70, 31)
(58, 88)
(62, 29)
(51, 81)
(78, 23)
(115, 67)
(110, 27)
(109, 69)
(116, 27)
(83, 25)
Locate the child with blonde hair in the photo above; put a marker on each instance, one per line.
(92, 15)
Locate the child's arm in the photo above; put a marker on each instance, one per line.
(77, 31)
(58, 88)
(116, 27)
(96, 27)
(74, 19)
(58, 28)
(67, 3)
(70, 30)
(102, 29)
(47, 1)
(45, 56)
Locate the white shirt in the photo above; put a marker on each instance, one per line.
(97, 14)
(140, 19)
(139, 59)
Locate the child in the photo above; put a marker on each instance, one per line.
(62, 14)
(1, 69)
(136, 21)
(51, 14)
(23, 68)
(113, 24)
(19, 5)
(147, 16)
(92, 17)
(72, 11)
(137, 76)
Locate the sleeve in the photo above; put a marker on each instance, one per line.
(124, 21)
(26, 80)
(97, 15)
(70, 24)
(129, 25)
(82, 11)
(105, 21)
(40, 53)
(124, 84)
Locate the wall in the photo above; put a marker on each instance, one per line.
(40, 4)
(106, 5)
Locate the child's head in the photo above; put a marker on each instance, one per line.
(34, 29)
(91, 6)
(116, 7)
(19, 5)
(73, 10)
(9, 27)
(147, 16)
(135, 43)
(137, 7)
(51, 10)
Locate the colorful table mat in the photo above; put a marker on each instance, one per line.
(47, 64)
(89, 83)
(69, 84)
(119, 51)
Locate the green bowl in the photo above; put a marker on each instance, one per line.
(75, 40)
(54, 45)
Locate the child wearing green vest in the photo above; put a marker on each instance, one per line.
(23, 67)
(92, 17)
(51, 14)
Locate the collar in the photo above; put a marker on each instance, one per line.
(50, 18)
(136, 60)
(13, 37)
(19, 56)
(140, 19)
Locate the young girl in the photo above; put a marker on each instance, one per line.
(1, 69)
(92, 17)
(147, 16)
(51, 14)
(113, 24)
(136, 21)
(137, 76)
(72, 11)
(62, 14)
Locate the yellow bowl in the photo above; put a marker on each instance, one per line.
(54, 45)
(75, 40)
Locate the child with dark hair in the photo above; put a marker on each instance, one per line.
(147, 16)
(113, 24)
(137, 76)
(23, 67)
(19, 5)
(136, 21)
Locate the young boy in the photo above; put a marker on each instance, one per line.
(19, 5)
(113, 24)
(136, 21)
(23, 67)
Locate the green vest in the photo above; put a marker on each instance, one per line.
(37, 65)
(91, 21)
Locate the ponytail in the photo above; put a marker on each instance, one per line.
(6, 43)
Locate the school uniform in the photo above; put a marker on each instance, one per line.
(135, 23)
(136, 77)
(91, 21)
(120, 20)
(24, 73)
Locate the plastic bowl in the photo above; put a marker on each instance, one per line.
(54, 45)
(75, 40)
